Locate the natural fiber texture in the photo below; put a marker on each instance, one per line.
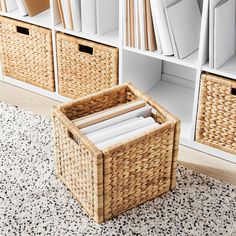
(84, 66)
(26, 53)
(120, 177)
(216, 121)
(34, 202)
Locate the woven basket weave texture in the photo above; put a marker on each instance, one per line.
(120, 177)
(216, 121)
(84, 66)
(26, 53)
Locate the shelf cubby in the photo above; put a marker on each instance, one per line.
(178, 100)
(173, 92)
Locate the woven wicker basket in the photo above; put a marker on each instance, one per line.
(85, 67)
(26, 53)
(118, 178)
(216, 121)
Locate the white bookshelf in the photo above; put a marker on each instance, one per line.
(172, 82)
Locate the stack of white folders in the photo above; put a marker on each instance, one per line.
(222, 35)
(118, 124)
(89, 16)
(171, 27)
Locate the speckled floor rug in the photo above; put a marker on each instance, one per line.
(34, 202)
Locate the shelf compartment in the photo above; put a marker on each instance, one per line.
(178, 100)
(227, 70)
(110, 39)
(191, 61)
(43, 19)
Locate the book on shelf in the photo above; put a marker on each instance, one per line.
(22, 7)
(151, 41)
(136, 24)
(61, 13)
(25, 7)
(169, 3)
(185, 21)
(169, 27)
(3, 6)
(224, 32)
(88, 16)
(34, 8)
(131, 21)
(8, 5)
(67, 15)
(160, 17)
(70, 14)
(221, 32)
(76, 14)
(107, 16)
(143, 25)
(212, 6)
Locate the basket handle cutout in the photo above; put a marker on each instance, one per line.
(86, 49)
(233, 91)
(22, 30)
(72, 137)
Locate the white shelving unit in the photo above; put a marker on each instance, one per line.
(174, 83)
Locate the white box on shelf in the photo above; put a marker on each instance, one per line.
(224, 33)
(76, 14)
(107, 15)
(88, 13)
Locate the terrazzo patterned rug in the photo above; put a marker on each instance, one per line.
(34, 202)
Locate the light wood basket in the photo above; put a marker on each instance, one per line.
(84, 66)
(125, 175)
(26, 53)
(216, 120)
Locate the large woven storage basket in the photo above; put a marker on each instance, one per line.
(26, 53)
(84, 66)
(118, 178)
(216, 120)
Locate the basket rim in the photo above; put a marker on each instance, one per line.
(171, 120)
(218, 79)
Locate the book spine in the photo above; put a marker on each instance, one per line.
(22, 7)
(76, 14)
(88, 13)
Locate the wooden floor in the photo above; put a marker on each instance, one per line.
(198, 161)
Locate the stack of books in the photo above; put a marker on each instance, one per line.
(89, 16)
(26, 7)
(222, 35)
(169, 26)
(118, 124)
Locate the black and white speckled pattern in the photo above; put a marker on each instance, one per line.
(34, 202)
